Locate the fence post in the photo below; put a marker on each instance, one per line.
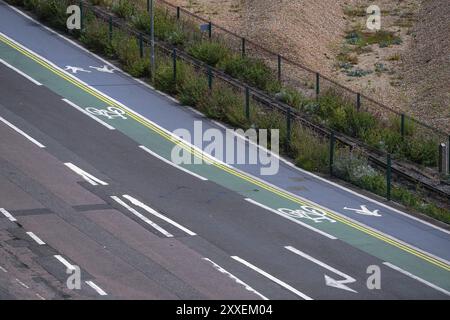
(402, 125)
(209, 78)
(358, 101)
(247, 103)
(441, 159)
(448, 155)
(210, 30)
(110, 29)
(332, 141)
(317, 85)
(141, 46)
(243, 47)
(288, 130)
(388, 177)
(174, 65)
(81, 15)
(178, 13)
(279, 68)
(148, 5)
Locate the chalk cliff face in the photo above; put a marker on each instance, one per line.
(427, 63)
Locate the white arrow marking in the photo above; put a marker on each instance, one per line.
(365, 211)
(103, 69)
(328, 280)
(76, 69)
(86, 176)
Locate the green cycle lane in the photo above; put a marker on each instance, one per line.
(161, 142)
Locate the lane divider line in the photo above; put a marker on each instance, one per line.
(88, 114)
(172, 164)
(96, 288)
(19, 131)
(406, 273)
(85, 175)
(142, 217)
(272, 278)
(3, 269)
(22, 284)
(20, 72)
(291, 219)
(169, 136)
(236, 279)
(66, 263)
(8, 215)
(157, 214)
(35, 238)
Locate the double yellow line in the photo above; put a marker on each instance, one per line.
(221, 166)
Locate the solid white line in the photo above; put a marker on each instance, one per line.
(39, 296)
(96, 288)
(3, 269)
(157, 214)
(22, 284)
(152, 88)
(172, 164)
(142, 217)
(20, 72)
(9, 124)
(8, 215)
(85, 175)
(406, 273)
(35, 238)
(176, 138)
(88, 114)
(64, 262)
(236, 279)
(291, 219)
(270, 277)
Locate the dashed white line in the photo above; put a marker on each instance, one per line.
(142, 217)
(171, 163)
(236, 279)
(64, 262)
(291, 219)
(88, 114)
(3, 269)
(22, 284)
(406, 273)
(272, 278)
(39, 296)
(35, 238)
(20, 72)
(9, 124)
(8, 215)
(96, 288)
(85, 175)
(157, 214)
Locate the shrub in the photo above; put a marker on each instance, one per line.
(127, 51)
(209, 52)
(310, 151)
(52, 11)
(124, 9)
(96, 36)
(193, 88)
(291, 97)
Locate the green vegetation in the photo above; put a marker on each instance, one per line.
(309, 150)
(361, 39)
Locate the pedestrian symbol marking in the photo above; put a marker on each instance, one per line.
(364, 211)
(104, 69)
(75, 70)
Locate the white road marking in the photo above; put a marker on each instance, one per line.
(171, 163)
(39, 296)
(236, 279)
(9, 124)
(329, 281)
(96, 288)
(157, 214)
(35, 238)
(90, 115)
(142, 217)
(86, 176)
(20, 72)
(291, 219)
(3, 269)
(8, 215)
(406, 273)
(22, 284)
(64, 262)
(364, 211)
(176, 138)
(270, 277)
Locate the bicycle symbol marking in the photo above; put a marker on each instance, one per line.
(306, 212)
(110, 112)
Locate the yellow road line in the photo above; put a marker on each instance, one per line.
(221, 166)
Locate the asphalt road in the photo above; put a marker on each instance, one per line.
(129, 258)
